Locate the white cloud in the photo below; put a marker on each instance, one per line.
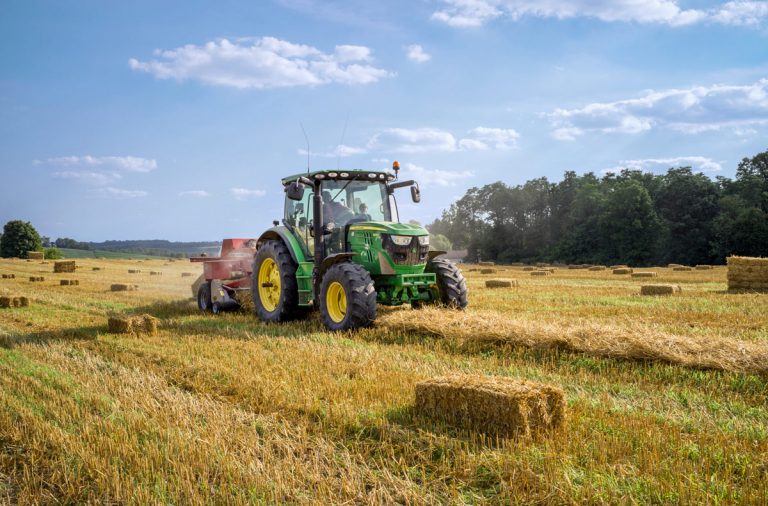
(417, 54)
(89, 177)
(689, 110)
(700, 163)
(244, 193)
(262, 63)
(419, 140)
(194, 193)
(475, 13)
(341, 151)
(116, 163)
(122, 194)
(436, 177)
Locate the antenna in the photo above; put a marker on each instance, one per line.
(307, 139)
(341, 142)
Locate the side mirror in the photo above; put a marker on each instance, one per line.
(415, 194)
(295, 190)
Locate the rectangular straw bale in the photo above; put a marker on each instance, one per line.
(5, 301)
(95, 268)
(659, 289)
(189, 274)
(70, 282)
(35, 255)
(9, 276)
(64, 266)
(540, 273)
(682, 268)
(644, 275)
(748, 273)
(529, 268)
(622, 266)
(121, 287)
(501, 283)
(487, 271)
(597, 268)
(704, 267)
(492, 405)
(23, 301)
(516, 264)
(36, 279)
(622, 270)
(123, 324)
(155, 273)
(487, 263)
(134, 271)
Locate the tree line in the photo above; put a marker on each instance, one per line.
(632, 217)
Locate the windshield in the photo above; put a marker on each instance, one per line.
(347, 200)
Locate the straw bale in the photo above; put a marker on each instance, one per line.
(493, 405)
(155, 273)
(189, 274)
(747, 273)
(540, 273)
(487, 271)
(35, 255)
(134, 271)
(682, 268)
(7, 301)
(64, 266)
(672, 266)
(70, 282)
(597, 268)
(123, 324)
(95, 268)
(529, 268)
(622, 266)
(36, 279)
(473, 270)
(121, 287)
(704, 267)
(644, 275)
(622, 270)
(660, 289)
(487, 263)
(9, 276)
(516, 264)
(501, 283)
(23, 301)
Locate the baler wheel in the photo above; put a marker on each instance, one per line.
(347, 297)
(273, 284)
(204, 297)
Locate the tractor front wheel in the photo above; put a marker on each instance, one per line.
(273, 284)
(451, 285)
(347, 297)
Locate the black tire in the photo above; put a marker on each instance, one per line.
(204, 297)
(360, 296)
(287, 306)
(215, 308)
(451, 285)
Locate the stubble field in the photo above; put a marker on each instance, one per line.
(667, 396)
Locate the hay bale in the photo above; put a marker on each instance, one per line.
(95, 268)
(660, 289)
(622, 270)
(35, 255)
(123, 324)
(134, 271)
(189, 274)
(64, 266)
(7, 301)
(121, 287)
(155, 273)
(595, 268)
(9, 276)
(487, 271)
(493, 405)
(540, 273)
(644, 275)
(704, 267)
(682, 268)
(622, 266)
(748, 273)
(487, 263)
(36, 279)
(69, 282)
(501, 283)
(529, 268)
(672, 266)
(23, 301)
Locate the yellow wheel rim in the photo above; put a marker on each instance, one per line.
(269, 284)
(336, 301)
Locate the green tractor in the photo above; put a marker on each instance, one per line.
(341, 248)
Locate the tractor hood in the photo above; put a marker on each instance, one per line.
(388, 227)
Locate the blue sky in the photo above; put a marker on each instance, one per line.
(176, 119)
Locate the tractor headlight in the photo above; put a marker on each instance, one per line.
(424, 240)
(401, 240)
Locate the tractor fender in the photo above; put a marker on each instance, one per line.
(332, 260)
(285, 235)
(434, 254)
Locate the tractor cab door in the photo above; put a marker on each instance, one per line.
(298, 217)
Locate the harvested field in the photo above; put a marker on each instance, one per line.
(501, 283)
(540, 273)
(748, 273)
(644, 274)
(682, 268)
(704, 267)
(487, 271)
(487, 263)
(64, 266)
(491, 405)
(667, 397)
(596, 268)
(660, 289)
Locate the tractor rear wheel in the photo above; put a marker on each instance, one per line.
(347, 297)
(273, 284)
(204, 297)
(451, 285)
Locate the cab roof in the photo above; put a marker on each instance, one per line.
(362, 175)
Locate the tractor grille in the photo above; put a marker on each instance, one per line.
(412, 254)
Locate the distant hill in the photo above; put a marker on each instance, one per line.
(158, 247)
(98, 253)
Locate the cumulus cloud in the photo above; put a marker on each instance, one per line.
(107, 163)
(417, 54)
(475, 13)
(689, 110)
(194, 193)
(121, 193)
(262, 63)
(244, 193)
(419, 140)
(88, 177)
(438, 177)
(700, 163)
